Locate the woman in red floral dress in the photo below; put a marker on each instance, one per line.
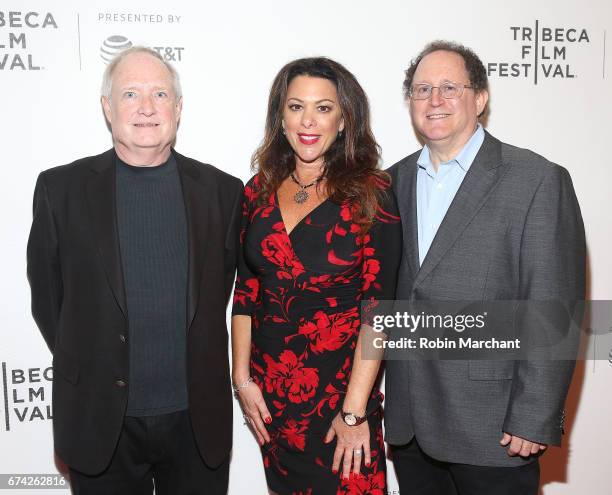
(320, 235)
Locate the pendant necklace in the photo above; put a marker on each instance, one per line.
(302, 195)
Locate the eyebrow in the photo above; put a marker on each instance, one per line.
(140, 86)
(317, 102)
(442, 82)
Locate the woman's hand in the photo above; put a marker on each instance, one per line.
(353, 445)
(255, 410)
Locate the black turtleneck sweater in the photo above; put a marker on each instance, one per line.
(154, 255)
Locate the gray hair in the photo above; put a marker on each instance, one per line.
(107, 78)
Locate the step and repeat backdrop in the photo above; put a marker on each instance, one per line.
(551, 91)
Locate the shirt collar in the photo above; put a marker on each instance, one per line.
(464, 158)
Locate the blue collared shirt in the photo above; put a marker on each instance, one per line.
(435, 191)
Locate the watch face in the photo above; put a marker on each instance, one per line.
(350, 419)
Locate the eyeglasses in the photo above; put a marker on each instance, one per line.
(449, 90)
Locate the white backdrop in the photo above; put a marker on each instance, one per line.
(227, 55)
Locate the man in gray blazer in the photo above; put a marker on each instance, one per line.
(482, 220)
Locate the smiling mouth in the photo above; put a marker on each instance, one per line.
(146, 124)
(438, 116)
(308, 138)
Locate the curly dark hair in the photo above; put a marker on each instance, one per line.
(351, 164)
(474, 66)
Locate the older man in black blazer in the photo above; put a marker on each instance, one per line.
(131, 259)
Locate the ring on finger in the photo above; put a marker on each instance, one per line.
(357, 452)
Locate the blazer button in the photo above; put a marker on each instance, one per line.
(122, 338)
(120, 383)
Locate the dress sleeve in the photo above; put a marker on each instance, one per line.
(246, 288)
(382, 249)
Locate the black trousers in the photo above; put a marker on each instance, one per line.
(419, 474)
(155, 451)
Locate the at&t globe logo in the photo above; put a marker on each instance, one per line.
(112, 46)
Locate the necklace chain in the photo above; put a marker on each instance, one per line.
(302, 195)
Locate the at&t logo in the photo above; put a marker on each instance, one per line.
(117, 43)
(112, 46)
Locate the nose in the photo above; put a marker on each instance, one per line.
(146, 106)
(436, 99)
(308, 118)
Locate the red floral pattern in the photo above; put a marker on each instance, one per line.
(295, 433)
(328, 331)
(247, 290)
(289, 378)
(277, 250)
(371, 484)
(303, 293)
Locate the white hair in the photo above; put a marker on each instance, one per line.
(107, 78)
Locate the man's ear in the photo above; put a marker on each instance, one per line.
(482, 97)
(179, 109)
(107, 109)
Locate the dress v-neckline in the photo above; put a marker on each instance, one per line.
(298, 224)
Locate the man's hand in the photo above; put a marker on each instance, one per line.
(520, 446)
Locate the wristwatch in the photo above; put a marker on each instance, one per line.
(351, 419)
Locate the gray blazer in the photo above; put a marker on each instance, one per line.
(513, 231)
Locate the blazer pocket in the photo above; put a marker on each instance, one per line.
(490, 370)
(65, 366)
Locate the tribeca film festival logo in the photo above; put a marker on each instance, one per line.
(543, 52)
(14, 51)
(115, 44)
(26, 394)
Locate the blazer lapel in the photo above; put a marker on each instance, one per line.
(102, 210)
(407, 204)
(197, 196)
(473, 192)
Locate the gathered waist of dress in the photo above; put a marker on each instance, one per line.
(331, 321)
(331, 307)
(307, 294)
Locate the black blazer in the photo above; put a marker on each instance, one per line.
(78, 302)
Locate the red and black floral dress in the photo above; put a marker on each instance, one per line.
(303, 293)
